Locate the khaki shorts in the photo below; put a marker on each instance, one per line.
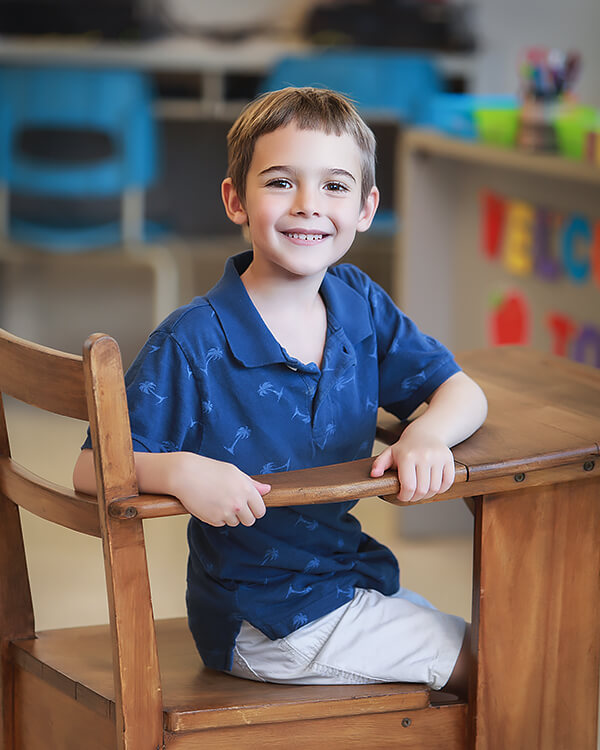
(373, 638)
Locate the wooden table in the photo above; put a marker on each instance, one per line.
(533, 472)
(531, 476)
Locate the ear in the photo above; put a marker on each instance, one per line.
(232, 202)
(367, 212)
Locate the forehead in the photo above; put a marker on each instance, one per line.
(305, 149)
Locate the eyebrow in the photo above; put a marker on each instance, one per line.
(334, 171)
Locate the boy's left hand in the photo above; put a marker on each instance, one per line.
(424, 463)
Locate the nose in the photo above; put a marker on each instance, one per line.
(306, 202)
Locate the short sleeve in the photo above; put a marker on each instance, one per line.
(162, 396)
(411, 364)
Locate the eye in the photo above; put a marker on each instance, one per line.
(336, 187)
(279, 182)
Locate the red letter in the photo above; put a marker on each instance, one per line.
(562, 329)
(493, 223)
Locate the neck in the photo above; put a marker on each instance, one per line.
(292, 309)
(270, 291)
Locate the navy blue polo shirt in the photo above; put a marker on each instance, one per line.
(213, 380)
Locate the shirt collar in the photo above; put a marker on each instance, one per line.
(250, 340)
(346, 308)
(247, 335)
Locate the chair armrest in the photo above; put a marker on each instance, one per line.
(324, 484)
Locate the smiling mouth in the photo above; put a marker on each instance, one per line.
(305, 236)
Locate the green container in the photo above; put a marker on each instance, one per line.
(572, 125)
(497, 126)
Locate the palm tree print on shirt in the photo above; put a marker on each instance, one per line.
(214, 353)
(346, 591)
(243, 433)
(265, 388)
(271, 555)
(299, 620)
(343, 382)
(302, 416)
(149, 388)
(299, 592)
(327, 433)
(270, 468)
(308, 523)
(312, 564)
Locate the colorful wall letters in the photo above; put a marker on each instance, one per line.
(530, 241)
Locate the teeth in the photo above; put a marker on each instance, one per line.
(309, 237)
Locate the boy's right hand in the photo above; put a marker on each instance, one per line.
(216, 492)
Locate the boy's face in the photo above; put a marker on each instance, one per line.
(303, 200)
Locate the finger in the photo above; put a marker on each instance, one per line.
(382, 463)
(231, 519)
(261, 487)
(435, 481)
(408, 482)
(245, 516)
(256, 505)
(423, 482)
(448, 476)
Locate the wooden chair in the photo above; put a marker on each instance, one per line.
(140, 685)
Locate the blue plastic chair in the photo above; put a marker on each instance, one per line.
(114, 103)
(384, 85)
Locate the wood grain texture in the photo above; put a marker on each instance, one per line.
(78, 661)
(16, 609)
(442, 727)
(47, 719)
(135, 659)
(42, 377)
(538, 608)
(324, 484)
(45, 499)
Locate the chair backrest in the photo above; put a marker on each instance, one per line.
(87, 388)
(115, 104)
(381, 82)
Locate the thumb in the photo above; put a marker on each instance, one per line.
(382, 463)
(261, 487)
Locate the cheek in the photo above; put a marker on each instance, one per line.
(265, 212)
(347, 218)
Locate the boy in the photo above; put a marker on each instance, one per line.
(282, 366)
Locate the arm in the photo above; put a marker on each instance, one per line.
(214, 491)
(422, 454)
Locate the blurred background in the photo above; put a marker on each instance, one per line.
(113, 119)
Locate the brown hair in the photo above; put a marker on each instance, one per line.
(310, 109)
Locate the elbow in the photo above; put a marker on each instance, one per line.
(482, 404)
(84, 478)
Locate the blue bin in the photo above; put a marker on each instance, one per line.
(454, 114)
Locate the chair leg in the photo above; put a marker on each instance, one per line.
(7, 675)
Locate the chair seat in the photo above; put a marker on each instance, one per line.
(78, 662)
